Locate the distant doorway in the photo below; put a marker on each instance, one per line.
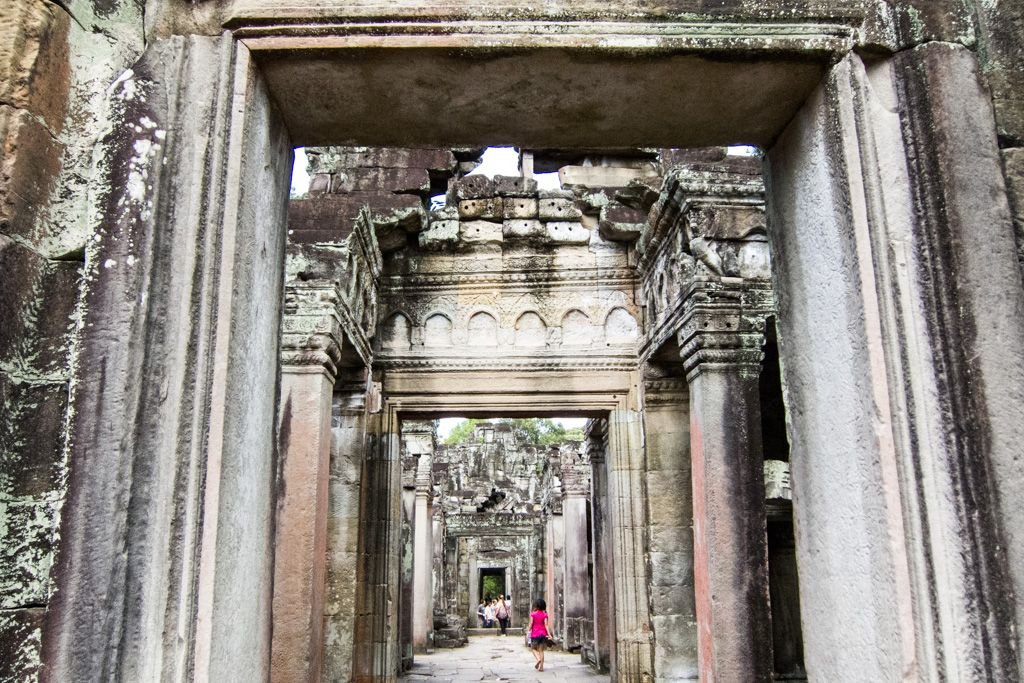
(492, 583)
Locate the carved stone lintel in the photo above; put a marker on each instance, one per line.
(665, 391)
(685, 189)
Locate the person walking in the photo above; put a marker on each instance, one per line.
(540, 632)
(501, 612)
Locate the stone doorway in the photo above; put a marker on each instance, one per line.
(504, 508)
(875, 168)
(507, 514)
(492, 583)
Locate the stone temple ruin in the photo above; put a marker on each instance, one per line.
(802, 371)
(499, 506)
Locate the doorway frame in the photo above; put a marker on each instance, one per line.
(611, 394)
(942, 149)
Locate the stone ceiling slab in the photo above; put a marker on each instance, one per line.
(540, 97)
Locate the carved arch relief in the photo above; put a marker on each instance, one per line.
(483, 330)
(620, 327)
(397, 332)
(437, 331)
(576, 329)
(530, 330)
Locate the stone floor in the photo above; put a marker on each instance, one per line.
(496, 658)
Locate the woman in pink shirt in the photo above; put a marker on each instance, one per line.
(540, 631)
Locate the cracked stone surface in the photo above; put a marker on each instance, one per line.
(497, 658)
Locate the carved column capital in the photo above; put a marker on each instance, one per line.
(576, 480)
(424, 478)
(722, 327)
(311, 335)
(662, 388)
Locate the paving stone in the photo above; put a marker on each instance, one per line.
(476, 662)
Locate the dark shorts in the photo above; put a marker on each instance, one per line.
(537, 641)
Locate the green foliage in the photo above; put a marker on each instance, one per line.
(539, 431)
(462, 432)
(494, 586)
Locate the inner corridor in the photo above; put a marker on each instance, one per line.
(496, 658)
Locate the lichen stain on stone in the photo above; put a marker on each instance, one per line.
(138, 186)
(22, 660)
(27, 554)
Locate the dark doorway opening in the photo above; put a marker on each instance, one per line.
(492, 583)
(787, 635)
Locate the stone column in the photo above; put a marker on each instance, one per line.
(576, 579)
(603, 595)
(311, 345)
(670, 525)
(473, 579)
(633, 659)
(407, 597)
(554, 543)
(348, 441)
(720, 344)
(438, 583)
(423, 559)
(376, 646)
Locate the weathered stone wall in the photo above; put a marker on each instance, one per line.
(1001, 53)
(50, 65)
(392, 183)
(156, 378)
(497, 472)
(505, 271)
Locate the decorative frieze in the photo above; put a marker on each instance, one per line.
(512, 524)
(527, 279)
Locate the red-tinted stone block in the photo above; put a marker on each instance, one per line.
(30, 160)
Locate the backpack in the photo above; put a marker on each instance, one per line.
(502, 612)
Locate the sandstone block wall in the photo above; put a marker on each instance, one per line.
(36, 321)
(49, 65)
